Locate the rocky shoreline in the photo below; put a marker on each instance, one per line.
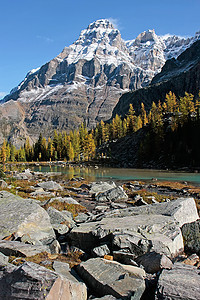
(106, 162)
(73, 239)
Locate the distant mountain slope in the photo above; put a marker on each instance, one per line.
(178, 75)
(85, 81)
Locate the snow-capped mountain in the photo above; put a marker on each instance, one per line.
(85, 81)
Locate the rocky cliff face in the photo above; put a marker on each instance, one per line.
(178, 75)
(85, 81)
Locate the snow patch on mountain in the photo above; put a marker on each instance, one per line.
(39, 94)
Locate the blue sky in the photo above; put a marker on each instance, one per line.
(34, 31)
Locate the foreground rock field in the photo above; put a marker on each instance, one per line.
(71, 239)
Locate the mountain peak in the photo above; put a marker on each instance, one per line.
(97, 31)
(101, 40)
(102, 23)
(146, 36)
(197, 35)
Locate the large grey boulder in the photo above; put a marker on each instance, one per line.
(22, 176)
(20, 249)
(21, 217)
(126, 258)
(154, 262)
(101, 251)
(191, 236)
(179, 283)
(100, 187)
(138, 230)
(72, 277)
(136, 234)
(183, 210)
(114, 194)
(61, 268)
(25, 175)
(60, 220)
(31, 281)
(55, 247)
(107, 278)
(50, 186)
(83, 217)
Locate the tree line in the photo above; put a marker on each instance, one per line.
(80, 144)
(77, 145)
(173, 112)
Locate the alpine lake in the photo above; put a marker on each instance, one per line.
(97, 173)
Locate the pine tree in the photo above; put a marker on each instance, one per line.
(143, 115)
(44, 149)
(8, 152)
(21, 154)
(50, 149)
(38, 148)
(164, 107)
(156, 117)
(171, 102)
(91, 146)
(160, 109)
(59, 145)
(131, 120)
(118, 127)
(124, 127)
(55, 140)
(27, 147)
(75, 141)
(114, 129)
(82, 134)
(4, 152)
(71, 152)
(66, 141)
(186, 106)
(102, 135)
(138, 124)
(150, 117)
(107, 132)
(97, 135)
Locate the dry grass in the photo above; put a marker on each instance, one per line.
(23, 189)
(75, 209)
(179, 186)
(75, 184)
(172, 185)
(146, 195)
(72, 258)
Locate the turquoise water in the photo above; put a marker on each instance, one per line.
(104, 173)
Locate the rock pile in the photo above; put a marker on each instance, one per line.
(144, 245)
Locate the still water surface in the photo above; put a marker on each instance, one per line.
(105, 173)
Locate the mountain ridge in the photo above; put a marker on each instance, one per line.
(85, 81)
(99, 32)
(178, 75)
